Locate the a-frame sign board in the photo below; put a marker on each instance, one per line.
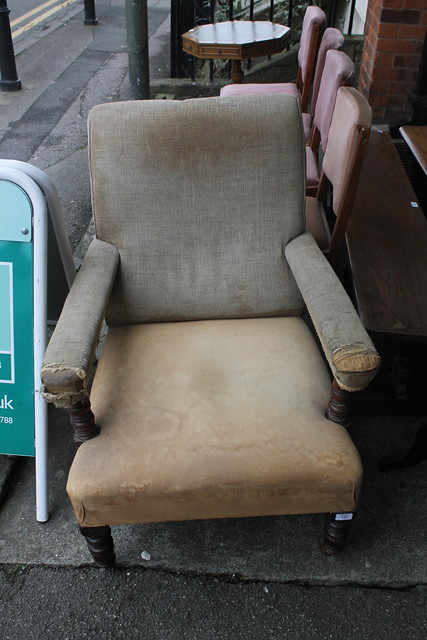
(27, 198)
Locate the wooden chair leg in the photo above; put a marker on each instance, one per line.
(101, 545)
(339, 405)
(337, 527)
(83, 422)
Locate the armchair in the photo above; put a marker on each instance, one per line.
(211, 398)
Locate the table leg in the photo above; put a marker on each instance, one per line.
(236, 72)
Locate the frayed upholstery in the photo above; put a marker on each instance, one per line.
(64, 400)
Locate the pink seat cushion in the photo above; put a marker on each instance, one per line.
(315, 223)
(312, 167)
(252, 89)
(306, 123)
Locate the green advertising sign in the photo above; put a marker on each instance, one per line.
(16, 322)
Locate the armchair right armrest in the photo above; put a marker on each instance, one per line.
(348, 348)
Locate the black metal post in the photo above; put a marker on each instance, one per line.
(9, 79)
(90, 14)
(137, 39)
(350, 21)
(183, 18)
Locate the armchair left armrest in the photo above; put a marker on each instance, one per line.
(349, 350)
(70, 352)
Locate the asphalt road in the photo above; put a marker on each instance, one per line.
(65, 68)
(42, 603)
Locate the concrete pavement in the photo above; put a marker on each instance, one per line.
(248, 578)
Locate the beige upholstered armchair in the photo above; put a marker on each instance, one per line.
(211, 398)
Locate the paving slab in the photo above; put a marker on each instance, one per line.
(386, 547)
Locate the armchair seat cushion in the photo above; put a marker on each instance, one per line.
(212, 419)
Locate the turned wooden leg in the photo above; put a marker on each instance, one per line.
(236, 72)
(339, 405)
(337, 527)
(83, 422)
(101, 545)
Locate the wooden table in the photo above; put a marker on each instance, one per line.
(416, 139)
(387, 248)
(387, 245)
(235, 40)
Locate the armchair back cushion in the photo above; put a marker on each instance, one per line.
(232, 198)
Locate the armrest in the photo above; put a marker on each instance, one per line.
(347, 346)
(70, 352)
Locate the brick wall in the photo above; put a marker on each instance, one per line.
(394, 38)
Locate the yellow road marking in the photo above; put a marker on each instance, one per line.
(32, 12)
(40, 18)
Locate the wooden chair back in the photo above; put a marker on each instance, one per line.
(313, 26)
(342, 163)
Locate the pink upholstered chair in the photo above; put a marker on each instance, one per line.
(331, 39)
(313, 26)
(347, 143)
(211, 398)
(338, 71)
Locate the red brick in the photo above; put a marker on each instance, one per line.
(396, 102)
(372, 37)
(407, 62)
(400, 75)
(382, 73)
(419, 46)
(393, 4)
(389, 30)
(424, 17)
(400, 16)
(414, 4)
(400, 88)
(376, 5)
(383, 59)
(417, 32)
(369, 48)
(362, 87)
(379, 88)
(376, 101)
(395, 45)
